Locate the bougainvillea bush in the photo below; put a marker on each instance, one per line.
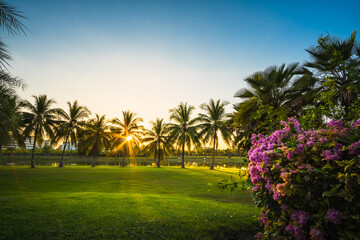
(308, 182)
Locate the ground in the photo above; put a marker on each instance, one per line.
(111, 202)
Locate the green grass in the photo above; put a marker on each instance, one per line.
(121, 203)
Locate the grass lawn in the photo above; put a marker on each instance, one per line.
(122, 203)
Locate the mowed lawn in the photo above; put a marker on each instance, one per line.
(122, 203)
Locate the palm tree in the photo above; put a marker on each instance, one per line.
(338, 60)
(277, 88)
(184, 131)
(70, 126)
(9, 20)
(271, 87)
(157, 139)
(213, 124)
(95, 137)
(10, 119)
(40, 119)
(127, 133)
(10, 115)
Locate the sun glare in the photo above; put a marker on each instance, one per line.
(128, 138)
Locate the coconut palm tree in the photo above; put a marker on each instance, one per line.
(40, 120)
(157, 139)
(70, 125)
(183, 132)
(338, 60)
(213, 125)
(95, 137)
(9, 20)
(127, 132)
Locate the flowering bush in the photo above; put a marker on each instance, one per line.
(308, 182)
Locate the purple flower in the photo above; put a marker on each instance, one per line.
(264, 219)
(316, 234)
(295, 231)
(284, 207)
(336, 123)
(334, 215)
(299, 217)
(354, 148)
(277, 196)
(310, 144)
(301, 138)
(328, 155)
(338, 149)
(299, 149)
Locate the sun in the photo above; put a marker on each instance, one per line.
(129, 138)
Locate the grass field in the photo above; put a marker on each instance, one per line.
(121, 203)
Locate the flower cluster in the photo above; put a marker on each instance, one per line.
(307, 181)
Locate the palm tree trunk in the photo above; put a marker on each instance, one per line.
(93, 161)
(213, 157)
(33, 151)
(183, 155)
(61, 164)
(124, 153)
(158, 160)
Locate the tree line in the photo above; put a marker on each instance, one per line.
(326, 87)
(40, 120)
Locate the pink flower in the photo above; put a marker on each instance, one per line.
(264, 219)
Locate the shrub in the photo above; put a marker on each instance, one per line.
(307, 182)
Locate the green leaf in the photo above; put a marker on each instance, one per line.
(328, 194)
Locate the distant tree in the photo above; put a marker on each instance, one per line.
(213, 124)
(70, 125)
(40, 120)
(183, 132)
(95, 137)
(127, 132)
(9, 20)
(157, 140)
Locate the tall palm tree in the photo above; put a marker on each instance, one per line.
(184, 131)
(40, 119)
(70, 126)
(95, 137)
(338, 60)
(157, 139)
(127, 132)
(213, 124)
(9, 20)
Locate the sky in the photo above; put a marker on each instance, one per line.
(148, 56)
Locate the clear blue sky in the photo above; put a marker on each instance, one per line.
(147, 56)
